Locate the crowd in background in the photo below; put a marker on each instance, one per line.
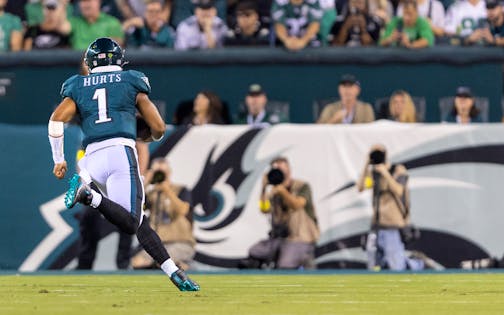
(208, 24)
(260, 109)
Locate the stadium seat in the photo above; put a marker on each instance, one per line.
(446, 105)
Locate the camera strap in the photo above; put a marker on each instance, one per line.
(402, 202)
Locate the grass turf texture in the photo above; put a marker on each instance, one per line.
(390, 294)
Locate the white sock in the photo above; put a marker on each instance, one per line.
(169, 267)
(95, 202)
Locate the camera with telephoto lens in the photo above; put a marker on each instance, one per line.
(275, 177)
(158, 177)
(377, 157)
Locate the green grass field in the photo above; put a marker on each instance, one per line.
(404, 294)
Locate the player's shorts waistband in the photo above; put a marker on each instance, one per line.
(95, 146)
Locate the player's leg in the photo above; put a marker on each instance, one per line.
(96, 168)
(123, 207)
(125, 187)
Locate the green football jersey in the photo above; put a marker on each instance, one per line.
(8, 24)
(296, 17)
(106, 103)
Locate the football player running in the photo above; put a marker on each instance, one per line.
(106, 102)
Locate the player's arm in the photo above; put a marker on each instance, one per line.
(151, 115)
(62, 114)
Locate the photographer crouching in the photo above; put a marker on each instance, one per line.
(390, 221)
(170, 215)
(294, 230)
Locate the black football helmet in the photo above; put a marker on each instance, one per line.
(104, 52)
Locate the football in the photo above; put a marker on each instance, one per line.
(143, 130)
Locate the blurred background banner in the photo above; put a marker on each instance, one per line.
(455, 179)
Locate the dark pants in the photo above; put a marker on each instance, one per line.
(93, 227)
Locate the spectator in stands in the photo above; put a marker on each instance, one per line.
(151, 31)
(297, 23)
(495, 12)
(409, 31)
(263, 6)
(182, 9)
(257, 114)
(385, 247)
(53, 32)
(137, 8)
(11, 30)
(465, 16)
(464, 109)
(349, 110)
(34, 11)
(400, 108)
(294, 229)
(170, 215)
(249, 30)
(203, 30)
(491, 32)
(433, 11)
(93, 24)
(358, 27)
(382, 10)
(207, 109)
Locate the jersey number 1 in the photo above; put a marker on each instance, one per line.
(101, 96)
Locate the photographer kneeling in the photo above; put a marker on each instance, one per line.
(294, 229)
(170, 215)
(384, 245)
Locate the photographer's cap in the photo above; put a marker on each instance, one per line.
(255, 90)
(348, 79)
(464, 91)
(490, 4)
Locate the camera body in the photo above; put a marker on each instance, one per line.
(275, 176)
(158, 177)
(377, 157)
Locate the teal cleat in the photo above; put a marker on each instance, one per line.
(182, 281)
(78, 192)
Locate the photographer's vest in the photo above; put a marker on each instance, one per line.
(389, 209)
(164, 219)
(302, 223)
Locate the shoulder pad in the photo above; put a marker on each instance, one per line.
(140, 81)
(68, 86)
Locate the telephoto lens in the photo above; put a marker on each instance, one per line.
(377, 157)
(158, 177)
(275, 176)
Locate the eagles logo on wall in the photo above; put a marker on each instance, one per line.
(455, 181)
